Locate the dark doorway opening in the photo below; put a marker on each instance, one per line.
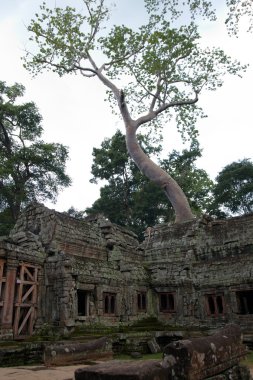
(82, 303)
(245, 301)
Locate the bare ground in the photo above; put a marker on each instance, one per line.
(43, 373)
(39, 372)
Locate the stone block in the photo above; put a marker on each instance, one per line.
(64, 354)
(201, 358)
(123, 370)
(154, 346)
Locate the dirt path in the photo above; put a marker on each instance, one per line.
(38, 373)
(44, 373)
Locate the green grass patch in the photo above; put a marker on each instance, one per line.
(143, 357)
(249, 359)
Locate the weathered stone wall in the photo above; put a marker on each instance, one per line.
(94, 257)
(202, 259)
(190, 275)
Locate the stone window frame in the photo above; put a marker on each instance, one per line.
(109, 307)
(212, 304)
(170, 302)
(142, 301)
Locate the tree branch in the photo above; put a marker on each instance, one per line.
(119, 94)
(156, 95)
(6, 141)
(152, 114)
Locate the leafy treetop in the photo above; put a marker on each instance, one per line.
(152, 73)
(30, 169)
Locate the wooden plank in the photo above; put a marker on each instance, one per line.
(27, 286)
(16, 321)
(26, 294)
(29, 274)
(24, 321)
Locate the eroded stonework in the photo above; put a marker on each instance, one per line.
(61, 272)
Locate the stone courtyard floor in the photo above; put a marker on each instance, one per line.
(41, 372)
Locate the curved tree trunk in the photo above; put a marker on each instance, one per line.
(172, 190)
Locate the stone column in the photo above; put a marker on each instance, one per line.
(40, 319)
(8, 302)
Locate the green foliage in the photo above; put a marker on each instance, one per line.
(195, 182)
(6, 222)
(77, 214)
(160, 65)
(233, 191)
(61, 35)
(30, 169)
(236, 11)
(153, 74)
(175, 8)
(130, 199)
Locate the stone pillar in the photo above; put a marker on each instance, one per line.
(41, 299)
(8, 302)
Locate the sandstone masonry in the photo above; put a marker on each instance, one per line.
(65, 273)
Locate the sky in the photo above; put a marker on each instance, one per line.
(76, 114)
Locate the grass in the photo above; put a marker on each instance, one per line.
(143, 357)
(249, 359)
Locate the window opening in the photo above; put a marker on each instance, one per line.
(245, 302)
(215, 304)
(109, 303)
(211, 305)
(219, 301)
(141, 301)
(167, 302)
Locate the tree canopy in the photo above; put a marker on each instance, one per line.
(30, 169)
(236, 11)
(153, 73)
(233, 190)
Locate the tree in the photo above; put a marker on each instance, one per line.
(77, 214)
(195, 182)
(30, 169)
(152, 74)
(129, 199)
(236, 10)
(233, 191)
(118, 198)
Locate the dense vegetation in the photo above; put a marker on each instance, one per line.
(30, 169)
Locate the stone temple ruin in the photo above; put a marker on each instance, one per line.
(65, 273)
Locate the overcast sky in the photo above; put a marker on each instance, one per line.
(75, 114)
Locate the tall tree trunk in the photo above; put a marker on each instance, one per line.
(172, 190)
